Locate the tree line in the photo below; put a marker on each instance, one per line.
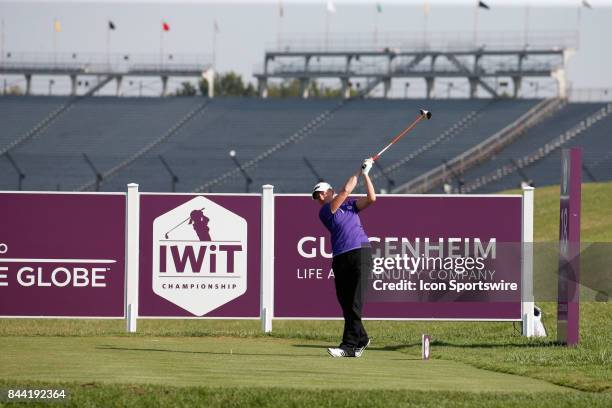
(232, 84)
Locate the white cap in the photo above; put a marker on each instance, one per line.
(322, 186)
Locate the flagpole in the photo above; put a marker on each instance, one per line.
(376, 28)
(108, 30)
(214, 56)
(425, 23)
(280, 25)
(476, 25)
(2, 40)
(327, 30)
(578, 23)
(55, 42)
(161, 44)
(526, 34)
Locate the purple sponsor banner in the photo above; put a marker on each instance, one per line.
(62, 255)
(568, 293)
(200, 255)
(303, 286)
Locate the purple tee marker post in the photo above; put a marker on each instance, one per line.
(568, 294)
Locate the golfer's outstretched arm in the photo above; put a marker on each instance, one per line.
(364, 202)
(346, 191)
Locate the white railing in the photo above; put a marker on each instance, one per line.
(441, 41)
(117, 63)
(590, 94)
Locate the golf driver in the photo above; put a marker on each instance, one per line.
(422, 114)
(166, 235)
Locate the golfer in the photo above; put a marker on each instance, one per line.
(352, 255)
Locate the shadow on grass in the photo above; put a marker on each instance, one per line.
(407, 359)
(110, 347)
(547, 343)
(396, 347)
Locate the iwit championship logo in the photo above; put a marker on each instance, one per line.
(199, 256)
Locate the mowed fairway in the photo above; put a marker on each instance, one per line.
(234, 362)
(231, 363)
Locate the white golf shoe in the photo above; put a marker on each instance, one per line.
(341, 351)
(359, 350)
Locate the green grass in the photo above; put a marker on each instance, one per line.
(239, 362)
(137, 395)
(142, 370)
(492, 346)
(595, 233)
(596, 214)
(229, 363)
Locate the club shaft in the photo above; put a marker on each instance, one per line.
(398, 137)
(181, 223)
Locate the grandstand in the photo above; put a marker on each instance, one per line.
(83, 142)
(587, 125)
(123, 138)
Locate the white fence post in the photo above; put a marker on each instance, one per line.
(267, 257)
(527, 302)
(132, 224)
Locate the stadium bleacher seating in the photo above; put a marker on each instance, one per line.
(106, 129)
(201, 150)
(20, 114)
(270, 136)
(596, 143)
(494, 116)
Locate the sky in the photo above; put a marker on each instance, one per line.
(247, 28)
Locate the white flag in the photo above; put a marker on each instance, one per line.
(330, 6)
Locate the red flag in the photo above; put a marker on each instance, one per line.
(165, 26)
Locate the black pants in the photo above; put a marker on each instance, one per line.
(350, 269)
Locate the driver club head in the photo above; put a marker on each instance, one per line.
(425, 113)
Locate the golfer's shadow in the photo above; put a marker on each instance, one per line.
(396, 347)
(116, 348)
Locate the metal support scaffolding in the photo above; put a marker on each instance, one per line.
(115, 66)
(28, 78)
(479, 66)
(164, 81)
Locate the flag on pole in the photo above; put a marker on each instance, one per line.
(379, 7)
(216, 26)
(426, 8)
(281, 11)
(57, 26)
(111, 25)
(331, 7)
(165, 26)
(586, 4)
(483, 5)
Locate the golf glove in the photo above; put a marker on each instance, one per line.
(366, 166)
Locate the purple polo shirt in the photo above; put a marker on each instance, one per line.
(345, 226)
